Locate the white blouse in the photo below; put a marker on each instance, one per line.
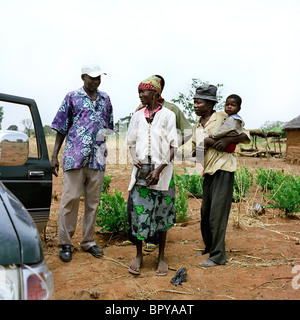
(153, 140)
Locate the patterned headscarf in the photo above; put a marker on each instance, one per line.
(151, 83)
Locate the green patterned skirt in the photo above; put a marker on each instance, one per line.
(152, 210)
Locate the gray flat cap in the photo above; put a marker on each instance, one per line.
(206, 92)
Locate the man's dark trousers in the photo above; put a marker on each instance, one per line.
(216, 204)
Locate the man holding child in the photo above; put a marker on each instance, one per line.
(219, 167)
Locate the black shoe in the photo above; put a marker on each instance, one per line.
(96, 251)
(65, 253)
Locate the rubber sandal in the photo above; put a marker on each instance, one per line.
(126, 243)
(163, 271)
(149, 247)
(134, 269)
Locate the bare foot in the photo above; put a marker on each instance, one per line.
(208, 263)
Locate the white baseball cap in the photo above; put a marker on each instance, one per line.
(93, 70)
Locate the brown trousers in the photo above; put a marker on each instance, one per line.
(75, 182)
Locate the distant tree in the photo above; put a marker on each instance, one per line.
(28, 125)
(186, 99)
(273, 126)
(123, 124)
(13, 127)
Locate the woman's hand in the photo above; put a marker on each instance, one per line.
(135, 159)
(136, 162)
(153, 176)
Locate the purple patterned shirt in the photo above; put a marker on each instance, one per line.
(85, 122)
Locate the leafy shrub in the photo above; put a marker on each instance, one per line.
(181, 197)
(267, 179)
(286, 194)
(112, 212)
(194, 184)
(283, 190)
(106, 183)
(243, 181)
(186, 184)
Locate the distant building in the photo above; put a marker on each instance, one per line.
(292, 129)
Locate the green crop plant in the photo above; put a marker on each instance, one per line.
(243, 181)
(281, 190)
(112, 213)
(181, 198)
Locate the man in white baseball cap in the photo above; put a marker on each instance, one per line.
(83, 113)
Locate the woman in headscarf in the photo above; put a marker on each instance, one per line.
(152, 139)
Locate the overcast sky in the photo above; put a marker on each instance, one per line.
(251, 47)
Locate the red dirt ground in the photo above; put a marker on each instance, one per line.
(262, 252)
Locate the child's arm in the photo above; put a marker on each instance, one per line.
(208, 142)
(231, 127)
(224, 142)
(225, 129)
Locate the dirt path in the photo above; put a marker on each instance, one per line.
(261, 255)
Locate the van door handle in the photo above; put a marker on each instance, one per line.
(36, 174)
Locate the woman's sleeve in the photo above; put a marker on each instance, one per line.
(132, 132)
(171, 130)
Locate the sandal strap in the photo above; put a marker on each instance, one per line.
(126, 243)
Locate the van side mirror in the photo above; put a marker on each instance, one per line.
(14, 148)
